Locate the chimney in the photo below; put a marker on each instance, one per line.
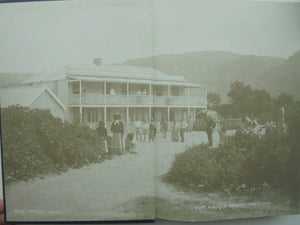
(98, 61)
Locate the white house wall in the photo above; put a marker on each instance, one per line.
(75, 115)
(51, 85)
(45, 101)
(62, 91)
(93, 87)
(62, 94)
(159, 88)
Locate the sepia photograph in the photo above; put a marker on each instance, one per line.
(126, 110)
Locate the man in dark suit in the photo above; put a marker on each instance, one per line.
(210, 125)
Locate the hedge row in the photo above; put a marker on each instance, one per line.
(35, 143)
(243, 163)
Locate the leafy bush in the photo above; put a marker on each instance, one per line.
(243, 163)
(35, 143)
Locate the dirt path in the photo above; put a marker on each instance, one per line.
(95, 192)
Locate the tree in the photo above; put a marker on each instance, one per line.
(239, 93)
(241, 98)
(278, 107)
(247, 101)
(283, 100)
(261, 102)
(213, 100)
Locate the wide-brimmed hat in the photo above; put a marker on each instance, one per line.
(117, 116)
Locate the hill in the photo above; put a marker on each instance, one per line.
(217, 69)
(286, 76)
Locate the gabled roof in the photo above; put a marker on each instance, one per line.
(25, 96)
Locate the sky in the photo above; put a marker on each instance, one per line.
(39, 35)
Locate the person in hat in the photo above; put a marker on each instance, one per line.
(210, 125)
(117, 129)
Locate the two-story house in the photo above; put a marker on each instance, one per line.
(95, 92)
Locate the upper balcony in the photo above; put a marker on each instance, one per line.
(114, 94)
(134, 100)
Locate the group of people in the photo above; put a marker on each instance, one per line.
(139, 92)
(178, 130)
(145, 131)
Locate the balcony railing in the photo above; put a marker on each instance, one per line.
(109, 100)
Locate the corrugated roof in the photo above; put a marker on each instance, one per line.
(24, 96)
(107, 71)
(136, 81)
(121, 71)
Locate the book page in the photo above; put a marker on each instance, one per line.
(132, 110)
(231, 148)
(75, 117)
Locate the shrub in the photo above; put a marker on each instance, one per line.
(243, 163)
(36, 143)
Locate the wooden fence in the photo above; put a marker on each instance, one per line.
(230, 124)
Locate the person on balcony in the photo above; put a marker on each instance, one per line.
(112, 91)
(102, 132)
(144, 92)
(117, 129)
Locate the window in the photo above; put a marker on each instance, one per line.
(175, 91)
(124, 89)
(159, 90)
(75, 88)
(92, 116)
